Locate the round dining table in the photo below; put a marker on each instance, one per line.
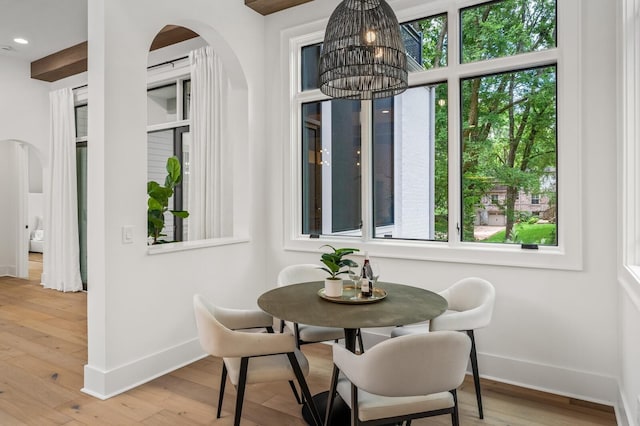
(392, 305)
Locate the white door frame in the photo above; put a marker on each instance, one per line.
(23, 231)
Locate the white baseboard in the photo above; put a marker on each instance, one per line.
(563, 381)
(8, 271)
(623, 411)
(552, 379)
(106, 384)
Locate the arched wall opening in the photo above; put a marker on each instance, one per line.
(201, 74)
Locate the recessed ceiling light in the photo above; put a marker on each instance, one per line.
(20, 40)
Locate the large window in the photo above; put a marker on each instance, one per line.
(81, 112)
(409, 164)
(469, 154)
(331, 159)
(168, 135)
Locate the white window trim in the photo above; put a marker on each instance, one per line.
(193, 245)
(629, 154)
(566, 256)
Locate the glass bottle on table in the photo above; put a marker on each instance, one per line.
(366, 284)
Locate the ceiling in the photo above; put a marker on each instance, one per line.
(49, 25)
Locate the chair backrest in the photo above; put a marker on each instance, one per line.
(300, 273)
(417, 364)
(472, 293)
(211, 332)
(220, 341)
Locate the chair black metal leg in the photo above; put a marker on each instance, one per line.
(354, 406)
(269, 330)
(296, 333)
(332, 395)
(242, 381)
(455, 419)
(476, 375)
(304, 388)
(223, 382)
(281, 326)
(295, 392)
(359, 335)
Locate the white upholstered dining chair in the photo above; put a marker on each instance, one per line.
(305, 333)
(250, 357)
(401, 379)
(471, 302)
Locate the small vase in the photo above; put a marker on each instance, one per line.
(333, 288)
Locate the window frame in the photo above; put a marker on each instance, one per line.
(178, 71)
(629, 154)
(566, 56)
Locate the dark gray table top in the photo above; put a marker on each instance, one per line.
(403, 305)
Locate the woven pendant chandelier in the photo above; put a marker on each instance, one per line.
(363, 55)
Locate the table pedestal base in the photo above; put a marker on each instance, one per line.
(340, 415)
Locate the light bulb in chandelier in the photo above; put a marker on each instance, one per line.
(370, 37)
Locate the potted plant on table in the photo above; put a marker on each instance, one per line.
(336, 264)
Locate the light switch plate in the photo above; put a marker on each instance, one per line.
(127, 234)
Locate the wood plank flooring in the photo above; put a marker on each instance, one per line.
(43, 351)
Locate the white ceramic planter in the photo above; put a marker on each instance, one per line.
(332, 288)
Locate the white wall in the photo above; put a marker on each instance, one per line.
(9, 215)
(24, 117)
(553, 330)
(35, 203)
(140, 315)
(24, 106)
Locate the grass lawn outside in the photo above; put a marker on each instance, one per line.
(543, 233)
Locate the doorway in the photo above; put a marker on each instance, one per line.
(21, 186)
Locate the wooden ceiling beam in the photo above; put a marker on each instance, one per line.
(266, 7)
(73, 60)
(66, 62)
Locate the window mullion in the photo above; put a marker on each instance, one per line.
(366, 144)
(179, 99)
(455, 124)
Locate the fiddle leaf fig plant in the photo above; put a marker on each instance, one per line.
(334, 262)
(158, 202)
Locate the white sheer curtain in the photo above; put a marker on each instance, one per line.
(209, 89)
(61, 247)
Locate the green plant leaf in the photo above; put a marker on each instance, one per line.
(349, 263)
(153, 204)
(173, 172)
(180, 213)
(346, 251)
(151, 185)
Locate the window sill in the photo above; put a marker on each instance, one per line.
(194, 245)
(472, 253)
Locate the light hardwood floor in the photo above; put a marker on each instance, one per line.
(43, 349)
